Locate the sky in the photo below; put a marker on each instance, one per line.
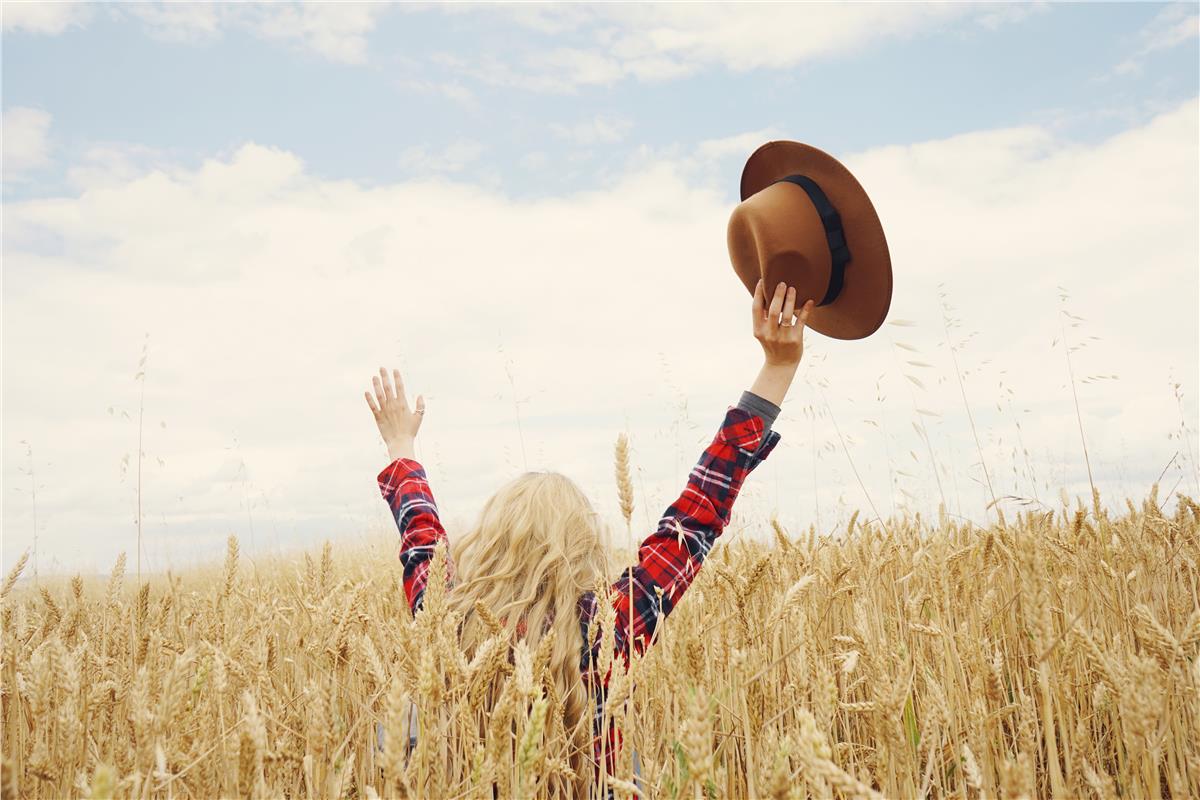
(219, 221)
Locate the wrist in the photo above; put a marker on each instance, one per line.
(401, 447)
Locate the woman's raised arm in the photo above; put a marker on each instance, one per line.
(405, 486)
(670, 557)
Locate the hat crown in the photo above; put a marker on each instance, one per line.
(777, 234)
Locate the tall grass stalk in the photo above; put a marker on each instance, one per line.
(812, 363)
(1021, 444)
(516, 408)
(1186, 435)
(812, 427)
(140, 377)
(33, 498)
(946, 321)
(242, 475)
(850, 459)
(922, 429)
(1067, 349)
(887, 447)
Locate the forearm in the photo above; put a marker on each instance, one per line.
(405, 487)
(773, 381)
(401, 447)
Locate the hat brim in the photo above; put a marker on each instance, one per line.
(862, 305)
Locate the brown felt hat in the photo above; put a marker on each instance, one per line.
(804, 220)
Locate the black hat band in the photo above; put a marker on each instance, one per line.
(834, 235)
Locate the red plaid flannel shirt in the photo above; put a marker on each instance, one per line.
(645, 593)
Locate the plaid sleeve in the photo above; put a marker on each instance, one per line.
(669, 558)
(406, 489)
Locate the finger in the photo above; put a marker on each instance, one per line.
(400, 395)
(789, 305)
(760, 301)
(380, 397)
(804, 312)
(371, 403)
(776, 303)
(388, 392)
(421, 404)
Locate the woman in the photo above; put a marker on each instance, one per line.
(538, 548)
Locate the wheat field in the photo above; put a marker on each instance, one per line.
(1050, 656)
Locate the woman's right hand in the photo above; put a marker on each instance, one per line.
(398, 425)
(782, 342)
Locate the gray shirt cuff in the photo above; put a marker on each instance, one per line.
(760, 407)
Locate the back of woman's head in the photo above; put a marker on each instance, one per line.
(537, 536)
(537, 546)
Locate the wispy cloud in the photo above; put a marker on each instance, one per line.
(600, 129)
(109, 163)
(26, 140)
(1172, 26)
(585, 45)
(740, 145)
(336, 31)
(453, 157)
(603, 44)
(45, 18)
(454, 90)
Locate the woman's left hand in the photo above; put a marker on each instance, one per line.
(398, 425)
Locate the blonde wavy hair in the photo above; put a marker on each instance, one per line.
(537, 546)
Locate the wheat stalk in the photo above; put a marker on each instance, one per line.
(624, 482)
(1030, 660)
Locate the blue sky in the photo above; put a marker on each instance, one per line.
(289, 196)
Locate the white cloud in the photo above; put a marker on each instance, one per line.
(600, 129)
(657, 42)
(1175, 24)
(586, 45)
(47, 18)
(997, 15)
(110, 163)
(553, 70)
(272, 295)
(740, 145)
(183, 22)
(336, 31)
(26, 144)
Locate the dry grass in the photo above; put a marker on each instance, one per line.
(1054, 657)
